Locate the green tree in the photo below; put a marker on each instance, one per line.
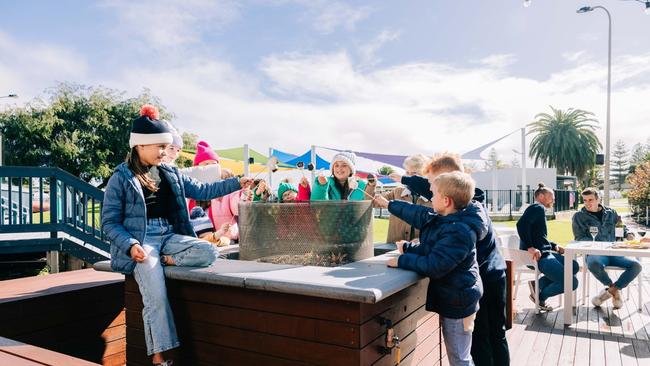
(83, 130)
(640, 153)
(493, 159)
(620, 163)
(639, 195)
(189, 141)
(565, 140)
(385, 170)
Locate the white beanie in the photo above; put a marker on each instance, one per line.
(347, 157)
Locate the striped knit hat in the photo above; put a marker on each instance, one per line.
(148, 129)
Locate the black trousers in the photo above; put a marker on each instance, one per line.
(489, 343)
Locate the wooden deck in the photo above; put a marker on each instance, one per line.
(600, 337)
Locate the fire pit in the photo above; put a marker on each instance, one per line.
(319, 233)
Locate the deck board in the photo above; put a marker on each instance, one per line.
(600, 336)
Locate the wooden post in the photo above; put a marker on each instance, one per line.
(509, 286)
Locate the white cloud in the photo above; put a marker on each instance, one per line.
(170, 23)
(368, 52)
(498, 61)
(578, 56)
(327, 16)
(27, 69)
(328, 100)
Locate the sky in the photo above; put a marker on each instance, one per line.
(392, 77)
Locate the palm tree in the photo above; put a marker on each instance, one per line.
(565, 140)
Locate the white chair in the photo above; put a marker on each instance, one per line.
(509, 244)
(521, 259)
(587, 280)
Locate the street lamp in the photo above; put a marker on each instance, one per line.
(586, 9)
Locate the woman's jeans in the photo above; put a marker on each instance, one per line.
(597, 264)
(159, 328)
(552, 283)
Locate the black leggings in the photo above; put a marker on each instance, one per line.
(489, 343)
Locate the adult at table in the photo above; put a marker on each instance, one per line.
(594, 214)
(533, 232)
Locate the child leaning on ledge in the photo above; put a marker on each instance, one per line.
(447, 255)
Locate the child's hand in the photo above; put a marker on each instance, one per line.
(261, 187)
(645, 240)
(304, 182)
(353, 183)
(223, 230)
(137, 253)
(392, 262)
(321, 179)
(380, 201)
(245, 182)
(246, 195)
(400, 246)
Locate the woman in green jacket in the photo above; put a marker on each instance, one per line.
(342, 185)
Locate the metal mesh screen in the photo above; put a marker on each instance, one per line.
(319, 233)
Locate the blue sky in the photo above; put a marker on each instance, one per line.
(381, 76)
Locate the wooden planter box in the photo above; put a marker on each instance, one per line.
(226, 325)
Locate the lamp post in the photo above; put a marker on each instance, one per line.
(1, 154)
(586, 9)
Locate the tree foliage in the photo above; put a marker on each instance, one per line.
(639, 194)
(565, 140)
(385, 170)
(620, 163)
(83, 130)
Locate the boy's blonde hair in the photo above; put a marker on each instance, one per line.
(458, 186)
(444, 161)
(415, 161)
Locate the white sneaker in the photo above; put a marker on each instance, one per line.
(603, 296)
(618, 300)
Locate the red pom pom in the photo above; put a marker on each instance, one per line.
(150, 111)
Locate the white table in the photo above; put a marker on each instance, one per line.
(589, 248)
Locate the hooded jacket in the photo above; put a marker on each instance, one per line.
(446, 254)
(490, 260)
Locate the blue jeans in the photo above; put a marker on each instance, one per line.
(457, 341)
(552, 283)
(159, 328)
(597, 264)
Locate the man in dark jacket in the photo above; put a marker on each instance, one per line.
(447, 255)
(489, 343)
(532, 231)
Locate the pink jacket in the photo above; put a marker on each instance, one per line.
(225, 210)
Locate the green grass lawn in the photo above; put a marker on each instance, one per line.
(559, 231)
(379, 230)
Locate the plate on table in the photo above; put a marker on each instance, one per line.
(631, 244)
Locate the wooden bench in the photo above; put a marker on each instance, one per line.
(16, 353)
(77, 313)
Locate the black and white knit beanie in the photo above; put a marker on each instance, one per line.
(148, 129)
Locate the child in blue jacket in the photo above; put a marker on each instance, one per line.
(145, 217)
(447, 255)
